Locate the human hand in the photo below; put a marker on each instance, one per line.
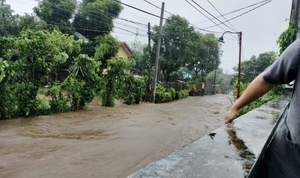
(231, 115)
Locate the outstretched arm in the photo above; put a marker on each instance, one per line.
(257, 88)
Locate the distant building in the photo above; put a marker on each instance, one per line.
(125, 51)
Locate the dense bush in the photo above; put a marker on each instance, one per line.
(8, 101)
(165, 95)
(113, 77)
(132, 90)
(38, 54)
(183, 94)
(199, 92)
(275, 92)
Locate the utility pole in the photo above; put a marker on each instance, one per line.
(149, 64)
(2, 2)
(240, 51)
(158, 50)
(215, 87)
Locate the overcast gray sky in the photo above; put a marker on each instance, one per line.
(261, 27)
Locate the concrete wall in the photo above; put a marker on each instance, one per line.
(228, 152)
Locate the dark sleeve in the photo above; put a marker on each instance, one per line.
(285, 68)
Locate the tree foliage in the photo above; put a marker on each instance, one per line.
(176, 34)
(255, 65)
(182, 46)
(203, 54)
(98, 15)
(57, 13)
(107, 47)
(8, 23)
(113, 77)
(287, 37)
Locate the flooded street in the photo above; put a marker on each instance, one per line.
(105, 142)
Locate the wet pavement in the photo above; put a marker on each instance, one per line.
(229, 151)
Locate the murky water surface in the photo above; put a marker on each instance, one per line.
(105, 142)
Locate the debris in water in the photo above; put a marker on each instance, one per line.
(212, 135)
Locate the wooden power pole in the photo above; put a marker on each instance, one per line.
(149, 65)
(158, 50)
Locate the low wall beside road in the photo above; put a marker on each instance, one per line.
(229, 151)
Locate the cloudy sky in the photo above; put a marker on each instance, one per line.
(260, 27)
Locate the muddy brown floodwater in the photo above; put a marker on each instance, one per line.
(105, 142)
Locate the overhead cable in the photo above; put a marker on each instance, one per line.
(212, 15)
(242, 14)
(221, 14)
(149, 13)
(237, 10)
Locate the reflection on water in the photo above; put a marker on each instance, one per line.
(246, 155)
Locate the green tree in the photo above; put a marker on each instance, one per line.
(176, 35)
(287, 37)
(57, 13)
(83, 82)
(107, 47)
(113, 77)
(8, 23)
(28, 21)
(40, 52)
(203, 54)
(98, 15)
(255, 65)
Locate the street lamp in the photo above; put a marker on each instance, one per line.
(221, 39)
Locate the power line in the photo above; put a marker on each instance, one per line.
(242, 14)
(212, 15)
(88, 29)
(158, 7)
(138, 9)
(193, 25)
(221, 14)
(236, 10)
(149, 13)
(204, 14)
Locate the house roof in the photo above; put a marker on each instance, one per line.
(128, 50)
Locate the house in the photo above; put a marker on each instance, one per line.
(125, 51)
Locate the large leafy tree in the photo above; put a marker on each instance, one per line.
(203, 55)
(255, 65)
(212, 60)
(176, 34)
(107, 47)
(57, 13)
(95, 17)
(40, 52)
(8, 25)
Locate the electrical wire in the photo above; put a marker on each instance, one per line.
(242, 14)
(213, 16)
(158, 7)
(221, 15)
(149, 13)
(237, 10)
(193, 25)
(205, 15)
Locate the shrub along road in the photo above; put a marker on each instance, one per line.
(105, 142)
